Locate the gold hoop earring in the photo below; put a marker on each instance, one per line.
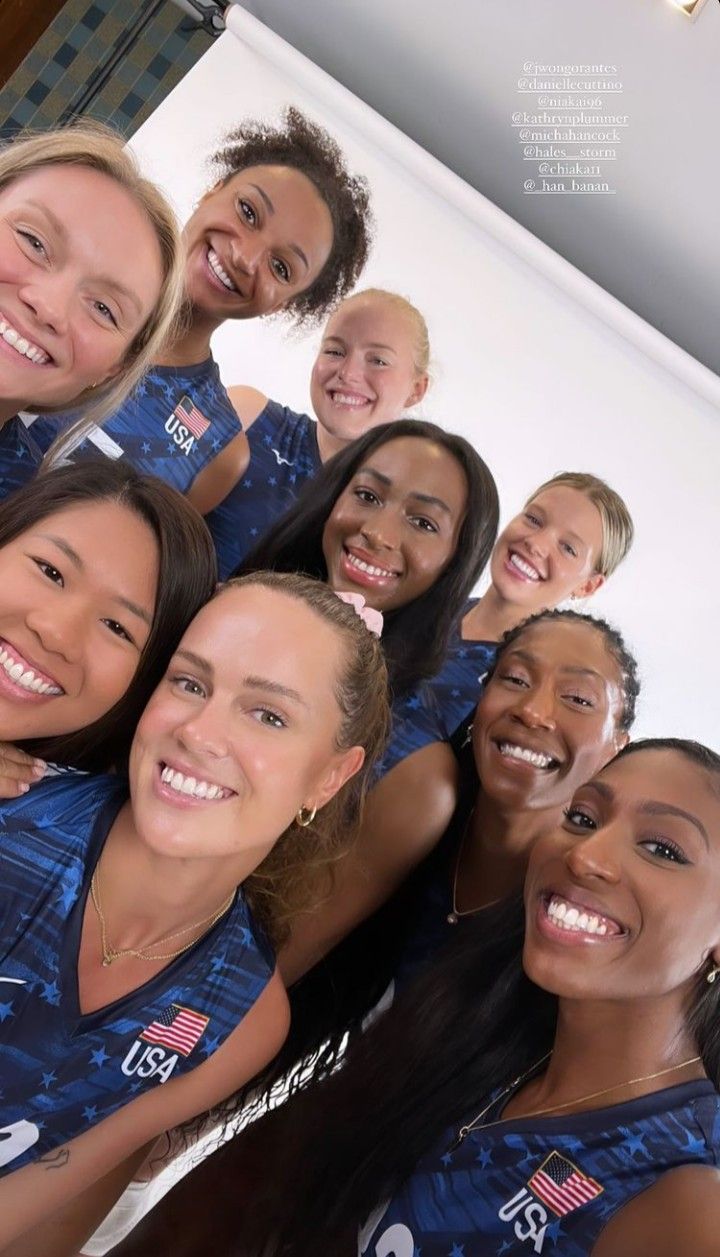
(711, 976)
(305, 816)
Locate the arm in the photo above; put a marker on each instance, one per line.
(221, 475)
(88, 1174)
(680, 1213)
(406, 815)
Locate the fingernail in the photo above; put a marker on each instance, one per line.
(24, 787)
(39, 768)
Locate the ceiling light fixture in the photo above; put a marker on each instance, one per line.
(690, 8)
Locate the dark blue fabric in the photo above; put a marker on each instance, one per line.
(476, 1200)
(148, 433)
(283, 455)
(60, 1070)
(20, 456)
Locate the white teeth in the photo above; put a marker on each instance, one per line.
(25, 677)
(191, 786)
(367, 567)
(217, 269)
(525, 568)
(536, 758)
(574, 919)
(25, 347)
(349, 399)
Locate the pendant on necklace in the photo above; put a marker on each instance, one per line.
(452, 918)
(107, 960)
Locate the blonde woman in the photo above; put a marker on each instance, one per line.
(371, 367)
(90, 280)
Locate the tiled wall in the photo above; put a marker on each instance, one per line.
(53, 77)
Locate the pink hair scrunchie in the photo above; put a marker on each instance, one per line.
(371, 618)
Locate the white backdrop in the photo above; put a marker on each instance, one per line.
(522, 365)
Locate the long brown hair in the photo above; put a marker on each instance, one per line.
(186, 579)
(297, 873)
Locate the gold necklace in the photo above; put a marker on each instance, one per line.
(455, 915)
(464, 1131)
(109, 954)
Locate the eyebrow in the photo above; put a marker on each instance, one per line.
(77, 563)
(294, 248)
(574, 669)
(414, 493)
(372, 344)
(252, 682)
(107, 280)
(202, 665)
(274, 687)
(653, 807)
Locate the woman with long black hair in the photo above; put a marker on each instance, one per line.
(548, 1087)
(406, 517)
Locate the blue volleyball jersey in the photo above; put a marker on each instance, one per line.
(544, 1185)
(175, 422)
(20, 456)
(283, 455)
(61, 1070)
(432, 712)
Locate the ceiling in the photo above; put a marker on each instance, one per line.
(447, 75)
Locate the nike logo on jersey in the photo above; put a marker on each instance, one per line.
(279, 459)
(15, 981)
(16, 1139)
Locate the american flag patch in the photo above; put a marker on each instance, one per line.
(192, 418)
(177, 1028)
(562, 1186)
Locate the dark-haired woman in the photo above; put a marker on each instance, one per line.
(557, 1096)
(101, 570)
(482, 1115)
(559, 703)
(285, 228)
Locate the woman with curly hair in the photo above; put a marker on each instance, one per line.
(138, 933)
(285, 227)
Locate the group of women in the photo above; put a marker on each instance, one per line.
(270, 836)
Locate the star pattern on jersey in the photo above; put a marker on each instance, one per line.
(484, 1158)
(90, 1112)
(99, 1057)
(211, 1045)
(50, 993)
(6, 1010)
(49, 1079)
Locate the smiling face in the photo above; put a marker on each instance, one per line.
(74, 617)
(242, 731)
(70, 306)
(255, 242)
(395, 527)
(549, 551)
(365, 372)
(549, 717)
(623, 899)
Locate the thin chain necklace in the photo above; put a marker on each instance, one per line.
(464, 1131)
(455, 915)
(109, 953)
